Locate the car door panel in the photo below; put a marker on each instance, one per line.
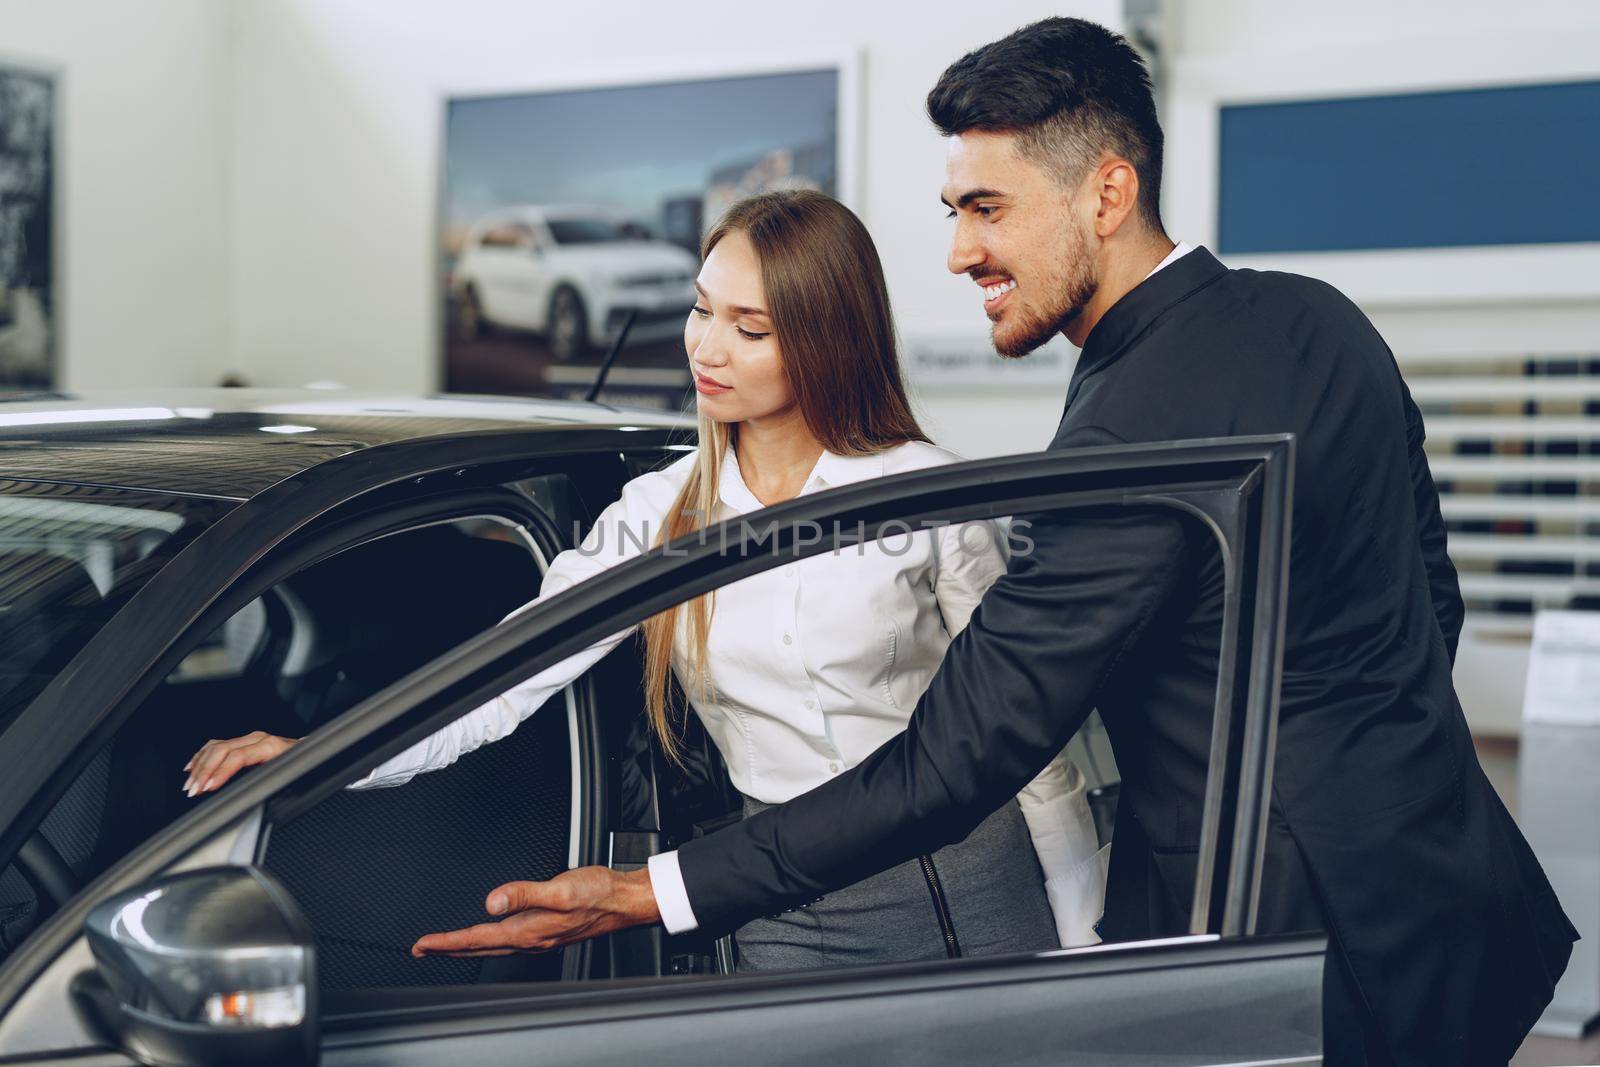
(41, 1021)
(1192, 1001)
(507, 264)
(516, 288)
(1191, 994)
(1252, 1009)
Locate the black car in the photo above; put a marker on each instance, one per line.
(315, 565)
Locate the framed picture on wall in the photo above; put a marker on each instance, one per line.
(564, 210)
(28, 296)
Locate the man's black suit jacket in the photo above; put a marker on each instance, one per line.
(1383, 829)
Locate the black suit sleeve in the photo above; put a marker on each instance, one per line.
(1013, 688)
(1443, 585)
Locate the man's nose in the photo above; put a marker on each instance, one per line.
(965, 253)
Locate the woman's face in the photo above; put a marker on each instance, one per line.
(733, 352)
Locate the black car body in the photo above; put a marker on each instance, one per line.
(314, 564)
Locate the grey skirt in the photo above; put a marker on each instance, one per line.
(981, 896)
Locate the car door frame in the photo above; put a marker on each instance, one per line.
(1240, 488)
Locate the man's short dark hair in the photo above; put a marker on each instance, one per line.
(1072, 90)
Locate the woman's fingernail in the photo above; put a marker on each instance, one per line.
(497, 904)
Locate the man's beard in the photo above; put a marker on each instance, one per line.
(1027, 329)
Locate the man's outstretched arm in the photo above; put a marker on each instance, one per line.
(1012, 690)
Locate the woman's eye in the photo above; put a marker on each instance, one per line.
(748, 336)
(698, 310)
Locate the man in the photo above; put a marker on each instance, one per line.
(1445, 939)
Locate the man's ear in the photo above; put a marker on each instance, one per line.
(1117, 184)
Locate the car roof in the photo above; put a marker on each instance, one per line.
(233, 443)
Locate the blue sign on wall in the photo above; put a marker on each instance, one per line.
(1517, 165)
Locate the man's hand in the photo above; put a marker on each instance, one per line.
(540, 916)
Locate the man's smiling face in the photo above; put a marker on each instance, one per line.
(1020, 237)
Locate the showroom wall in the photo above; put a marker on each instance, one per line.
(336, 108)
(1240, 51)
(142, 158)
(1507, 332)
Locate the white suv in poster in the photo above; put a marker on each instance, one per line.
(572, 274)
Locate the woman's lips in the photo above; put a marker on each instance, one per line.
(706, 387)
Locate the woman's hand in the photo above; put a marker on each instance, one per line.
(217, 761)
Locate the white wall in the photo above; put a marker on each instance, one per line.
(337, 106)
(1241, 51)
(1420, 28)
(142, 157)
(1456, 301)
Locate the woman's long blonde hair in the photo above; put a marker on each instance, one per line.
(830, 314)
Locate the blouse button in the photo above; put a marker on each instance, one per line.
(788, 640)
(833, 767)
(811, 705)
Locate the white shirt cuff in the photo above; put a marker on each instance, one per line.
(672, 898)
(1077, 899)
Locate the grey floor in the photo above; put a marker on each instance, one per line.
(1499, 759)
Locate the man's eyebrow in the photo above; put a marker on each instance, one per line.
(970, 195)
(736, 309)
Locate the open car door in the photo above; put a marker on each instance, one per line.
(1219, 995)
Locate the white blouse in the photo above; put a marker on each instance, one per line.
(812, 664)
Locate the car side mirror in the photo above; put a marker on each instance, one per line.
(208, 966)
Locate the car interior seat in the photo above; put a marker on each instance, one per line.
(376, 869)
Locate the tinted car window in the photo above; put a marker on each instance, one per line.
(70, 557)
(226, 652)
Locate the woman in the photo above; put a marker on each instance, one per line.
(803, 670)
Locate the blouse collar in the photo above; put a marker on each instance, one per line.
(831, 472)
